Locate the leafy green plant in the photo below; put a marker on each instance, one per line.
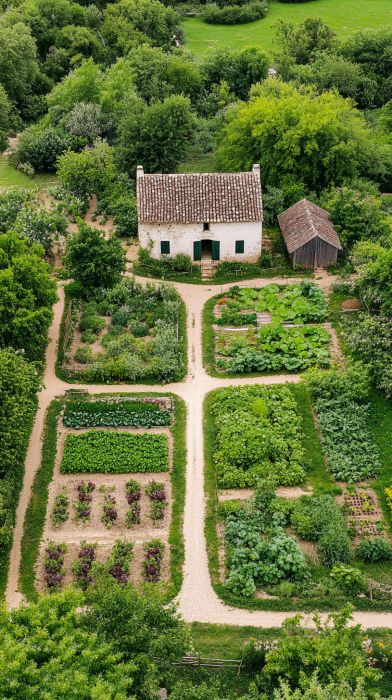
(119, 561)
(258, 433)
(81, 567)
(156, 492)
(138, 414)
(372, 550)
(273, 348)
(343, 423)
(104, 452)
(350, 579)
(60, 512)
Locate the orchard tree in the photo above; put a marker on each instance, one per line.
(100, 646)
(27, 293)
(86, 121)
(333, 650)
(81, 85)
(329, 71)
(130, 23)
(158, 137)
(93, 261)
(157, 74)
(372, 50)
(19, 383)
(299, 136)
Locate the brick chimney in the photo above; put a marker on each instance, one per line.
(139, 171)
(256, 169)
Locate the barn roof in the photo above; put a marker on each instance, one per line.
(304, 221)
(197, 197)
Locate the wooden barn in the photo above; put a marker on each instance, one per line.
(309, 235)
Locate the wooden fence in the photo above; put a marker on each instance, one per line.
(199, 661)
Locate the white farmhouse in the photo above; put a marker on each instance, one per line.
(208, 216)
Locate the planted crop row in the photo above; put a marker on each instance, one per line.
(274, 348)
(343, 416)
(117, 564)
(104, 452)
(138, 414)
(258, 434)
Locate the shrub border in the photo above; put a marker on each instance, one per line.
(36, 512)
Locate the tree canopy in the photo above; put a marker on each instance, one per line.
(93, 261)
(298, 135)
(27, 293)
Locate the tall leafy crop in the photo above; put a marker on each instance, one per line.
(258, 433)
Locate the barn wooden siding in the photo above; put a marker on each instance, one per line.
(315, 253)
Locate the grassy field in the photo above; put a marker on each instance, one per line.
(11, 177)
(344, 16)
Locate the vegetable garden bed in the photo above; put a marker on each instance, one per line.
(99, 451)
(131, 333)
(268, 552)
(272, 329)
(101, 508)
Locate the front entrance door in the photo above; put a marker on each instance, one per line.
(206, 250)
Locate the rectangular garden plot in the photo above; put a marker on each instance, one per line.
(272, 329)
(111, 497)
(134, 333)
(100, 451)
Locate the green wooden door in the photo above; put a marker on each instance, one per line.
(197, 250)
(215, 250)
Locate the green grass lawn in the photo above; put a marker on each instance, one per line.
(344, 16)
(11, 177)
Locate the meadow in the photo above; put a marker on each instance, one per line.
(344, 16)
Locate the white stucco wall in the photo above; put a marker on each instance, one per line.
(182, 237)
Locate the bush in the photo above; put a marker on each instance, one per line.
(41, 148)
(372, 550)
(349, 579)
(234, 14)
(83, 355)
(311, 515)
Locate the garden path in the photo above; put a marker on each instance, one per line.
(197, 601)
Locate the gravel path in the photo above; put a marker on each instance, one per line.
(197, 600)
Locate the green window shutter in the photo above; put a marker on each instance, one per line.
(215, 250)
(165, 247)
(239, 246)
(197, 250)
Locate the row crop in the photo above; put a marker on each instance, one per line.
(91, 414)
(114, 453)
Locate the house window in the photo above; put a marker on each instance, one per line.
(239, 246)
(165, 247)
(206, 226)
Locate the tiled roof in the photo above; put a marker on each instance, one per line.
(304, 221)
(198, 197)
